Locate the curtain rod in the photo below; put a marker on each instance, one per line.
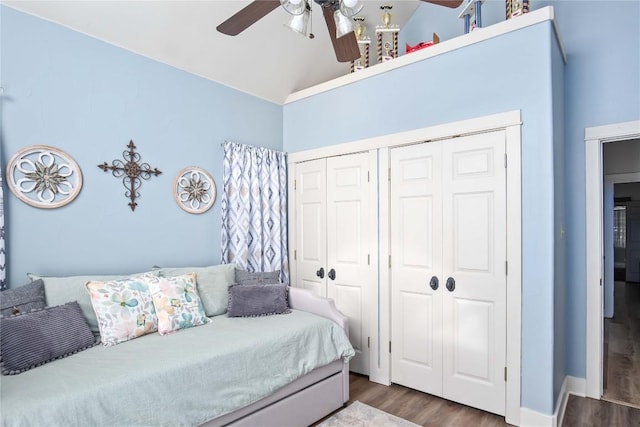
(249, 145)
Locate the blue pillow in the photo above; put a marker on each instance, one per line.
(23, 299)
(257, 278)
(258, 300)
(32, 339)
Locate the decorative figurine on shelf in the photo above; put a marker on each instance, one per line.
(435, 40)
(517, 7)
(473, 8)
(389, 32)
(364, 43)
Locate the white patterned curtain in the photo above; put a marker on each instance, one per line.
(3, 270)
(254, 209)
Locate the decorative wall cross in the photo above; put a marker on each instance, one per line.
(132, 171)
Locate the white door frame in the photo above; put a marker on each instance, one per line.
(595, 137)
(510, 122)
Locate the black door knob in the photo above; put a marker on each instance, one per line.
(332, 274)
(451, 284)
(320, 273)
(434, 283)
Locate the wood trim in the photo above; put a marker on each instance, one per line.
(382, 359)
(442, 131)
(594, 138)
(291, 224)
(513, 148)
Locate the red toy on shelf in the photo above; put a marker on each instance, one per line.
(422, 45)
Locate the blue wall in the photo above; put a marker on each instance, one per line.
(560, 259)
(449, 88)
(602, 86)
(89, 98)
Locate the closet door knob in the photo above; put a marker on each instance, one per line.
(434, 283)
(451, 284)
(332, 274)
(320, 273)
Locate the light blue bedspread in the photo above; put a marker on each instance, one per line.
(183, 379)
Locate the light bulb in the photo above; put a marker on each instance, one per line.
(350, 3)
(296, 2)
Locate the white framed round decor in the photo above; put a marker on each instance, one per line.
(44, 177)
(194, 190)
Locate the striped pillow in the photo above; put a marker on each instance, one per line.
(32, 339)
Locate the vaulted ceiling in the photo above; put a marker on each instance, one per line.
(267, 60)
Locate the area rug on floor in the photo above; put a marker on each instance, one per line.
(360, 415)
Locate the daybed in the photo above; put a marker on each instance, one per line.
(280, 370)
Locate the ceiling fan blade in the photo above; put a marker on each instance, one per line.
(447, 3)
(247, 17)
(346, 47)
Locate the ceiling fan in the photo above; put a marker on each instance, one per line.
(337, 15)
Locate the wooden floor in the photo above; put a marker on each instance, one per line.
(427, 410)
(585, 412)
(622, 346)
(417, 407)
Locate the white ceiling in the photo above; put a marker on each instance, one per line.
(267, 60)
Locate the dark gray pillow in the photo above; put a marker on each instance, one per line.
(249, 278)
(31, 339)
(23, 299)
(258, 300)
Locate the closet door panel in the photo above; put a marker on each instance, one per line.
(416, 257)
(348, 240)
(474, 256)
(311, 227)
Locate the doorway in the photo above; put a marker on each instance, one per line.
(596, 139)
(621, 237)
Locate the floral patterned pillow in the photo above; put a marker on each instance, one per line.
(124, 308)
(176, 302)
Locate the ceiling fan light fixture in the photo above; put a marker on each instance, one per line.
(343, 24)
(350, 8)
(294, 7)
(300, 23)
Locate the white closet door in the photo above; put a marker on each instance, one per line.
(416, 257)
(311, 225)
(474, 256)
(348, 241)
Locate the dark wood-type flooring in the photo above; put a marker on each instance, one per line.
(621, 382)
(427, 410)
(622, 346)
(585, 412)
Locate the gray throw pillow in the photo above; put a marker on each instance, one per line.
(23, 299)
(32, 339)
(257, 278)
(258, 300)
(212, 282)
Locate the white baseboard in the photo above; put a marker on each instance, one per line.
(531, 418)
(570, 385)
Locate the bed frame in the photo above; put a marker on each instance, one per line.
(307, 399)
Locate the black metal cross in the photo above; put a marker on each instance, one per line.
(132, 171)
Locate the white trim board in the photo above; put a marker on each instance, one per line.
(476, 36)
(594, 138)
(510, 122)
(447, 130)
(570, 385)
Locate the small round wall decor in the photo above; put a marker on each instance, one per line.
(44, 177)
(194, 190)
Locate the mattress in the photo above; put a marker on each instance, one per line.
(183, 379)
